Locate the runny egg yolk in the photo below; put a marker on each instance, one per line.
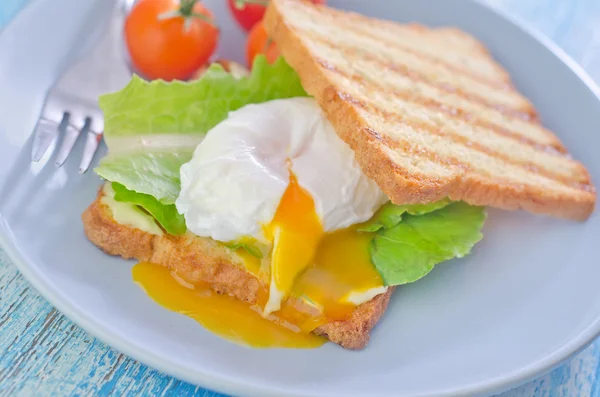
(324, 269)
(224, 315)
(342, 267)
(295, 231)
(313, 274)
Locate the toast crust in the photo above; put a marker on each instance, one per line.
(444, 130)
(198, 259)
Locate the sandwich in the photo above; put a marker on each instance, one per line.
(304, 193)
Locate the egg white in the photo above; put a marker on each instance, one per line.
(233, 184)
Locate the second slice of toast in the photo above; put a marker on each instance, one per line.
(428, 112)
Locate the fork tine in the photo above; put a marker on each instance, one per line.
(91, 145)
(46, 131)
(71, 135)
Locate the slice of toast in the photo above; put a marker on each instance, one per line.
(198, 259)
(428, 112)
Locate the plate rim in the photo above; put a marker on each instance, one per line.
(229, 385)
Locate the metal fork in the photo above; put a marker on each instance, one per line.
(70, 108)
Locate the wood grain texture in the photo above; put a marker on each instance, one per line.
(43, 354)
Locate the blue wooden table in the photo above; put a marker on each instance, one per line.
(42, 353)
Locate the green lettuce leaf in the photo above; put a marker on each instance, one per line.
(183, 108)
(409, 250)
(152, 128)
(152, 173)
(251, 249)
(391, 214)
(166, 215)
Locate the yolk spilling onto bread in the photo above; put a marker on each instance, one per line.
(223, 315)
(296, 232)
(313, 276)
(342, 267)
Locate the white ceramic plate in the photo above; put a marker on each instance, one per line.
(526, 298)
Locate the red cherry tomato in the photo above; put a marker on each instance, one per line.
(248, 12)
(170, 39)
(259, 43)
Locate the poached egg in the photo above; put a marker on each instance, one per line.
(277, 175)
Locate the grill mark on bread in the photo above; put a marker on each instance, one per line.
(500, 85)
(355, 22)
(453, 112)
(418, 154)
(359, 78)
(471, 128)
(452, 161)
(449, 161)
(414, 75)
(370, 131)
(506, 102)
(404, 146)
(463, 141)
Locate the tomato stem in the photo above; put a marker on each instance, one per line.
(201, 16)
(186, 11)
(186, 8)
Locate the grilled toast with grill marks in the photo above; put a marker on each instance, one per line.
(428, 112)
